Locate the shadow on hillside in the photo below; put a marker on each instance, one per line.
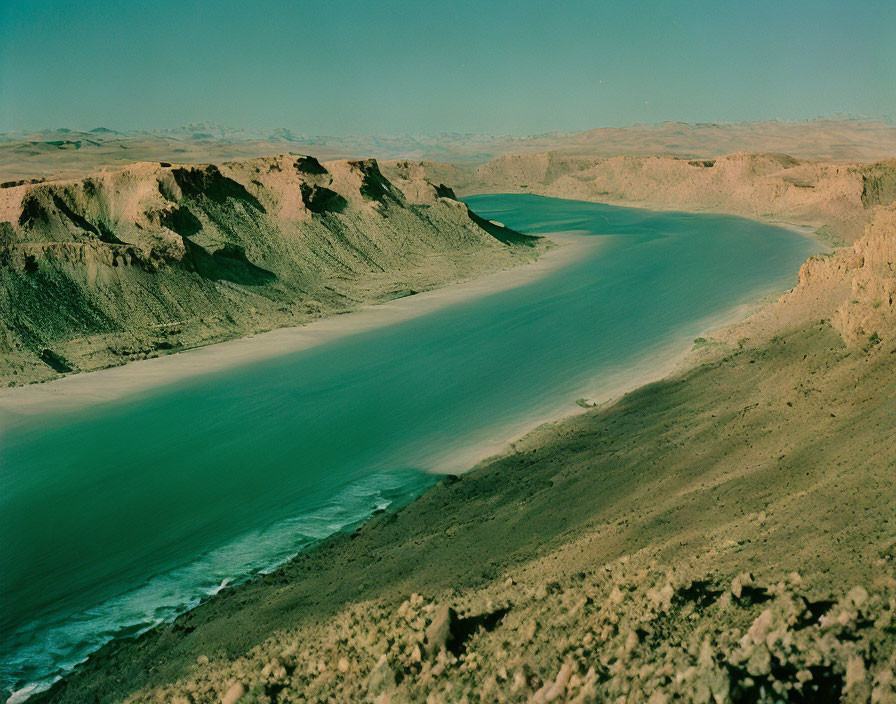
(504, 234)
(227, 264)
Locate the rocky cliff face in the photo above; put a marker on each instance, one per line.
(860, 283)
(154, 257)
(853, 289)
(776, 187)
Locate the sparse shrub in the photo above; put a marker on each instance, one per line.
(873, 339)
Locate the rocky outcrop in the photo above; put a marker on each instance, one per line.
(157, 256)
(861, 281)
(870, 313)
(852, 288)
(634, 633)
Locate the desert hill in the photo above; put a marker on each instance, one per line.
(829, 140)
(156, 257)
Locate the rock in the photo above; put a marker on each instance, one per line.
(739, 582)
(760, 627)
(442, 632)
(855, 672)
(529, 630)
(381, 677)
(616, 596)
(658, 697)
(858, 596)
(587, 639)
(233, 695)
(342, 665)
(760, 661)
(661, 598)
(556, 690)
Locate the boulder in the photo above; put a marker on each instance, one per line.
(441, 634)
(234, 694)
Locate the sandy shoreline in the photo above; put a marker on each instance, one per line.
(676, 357)
(88, 388)
(673, 358)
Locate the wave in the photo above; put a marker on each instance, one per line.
(44, 650)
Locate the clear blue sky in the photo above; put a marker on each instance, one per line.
(380, 66)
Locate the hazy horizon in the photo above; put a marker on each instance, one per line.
(398, 134)
(394, 68)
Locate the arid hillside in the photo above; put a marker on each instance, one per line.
(157, 257)
(854, 289)
(836, 198)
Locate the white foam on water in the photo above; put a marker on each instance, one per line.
(42, 651)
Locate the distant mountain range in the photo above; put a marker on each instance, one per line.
(391, 146)
(63, 152)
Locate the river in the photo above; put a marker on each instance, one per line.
(123, 514)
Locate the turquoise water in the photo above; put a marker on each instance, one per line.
(123, 515)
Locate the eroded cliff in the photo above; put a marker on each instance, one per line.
(156, 257)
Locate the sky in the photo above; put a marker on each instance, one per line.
(386, 67)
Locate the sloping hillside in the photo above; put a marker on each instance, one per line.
(157, 257)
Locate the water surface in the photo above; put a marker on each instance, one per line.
(122, 515)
